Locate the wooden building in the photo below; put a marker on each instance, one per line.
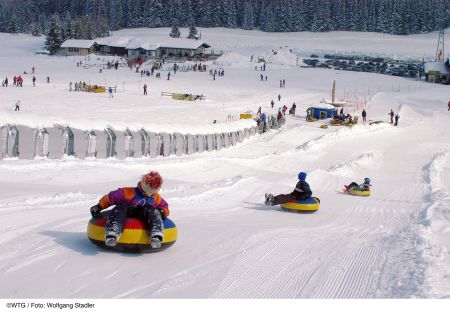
(79, 47)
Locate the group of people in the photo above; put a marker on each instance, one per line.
(78, 86)
(144, 202)
(283, 83)
(302, 191)
(213, 73)
(18, 81)
(394, 117)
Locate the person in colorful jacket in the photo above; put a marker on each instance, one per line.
(142, 201)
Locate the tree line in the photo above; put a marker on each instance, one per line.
(88, 19)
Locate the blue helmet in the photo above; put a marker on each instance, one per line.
(367, 180)
(302, 176)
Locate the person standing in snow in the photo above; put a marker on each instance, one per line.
(145, 89)
(392, 116)
(259, 111)
(168, 76)
(6, 83)
(110, 92)
(279, 97)
(447, 110)
(272, 103)
(302, 191)
(48, 79)
(18, 103)
(396, 119)
(364, 115)
(34, 81)
(140, 201)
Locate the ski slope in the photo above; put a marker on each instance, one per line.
(393, 244)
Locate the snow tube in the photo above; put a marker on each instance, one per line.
(134, 238)
(324, 126)
(309, 205)
(359, 192)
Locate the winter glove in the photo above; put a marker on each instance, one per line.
(95, 211)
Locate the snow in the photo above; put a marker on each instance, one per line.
(78, 43)
(393, 244)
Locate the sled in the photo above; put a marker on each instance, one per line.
(311, 204)
(356, 192)
(134, 238)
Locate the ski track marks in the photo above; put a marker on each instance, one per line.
(294, 264)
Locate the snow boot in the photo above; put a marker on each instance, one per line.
(269, 199)
(111, 240)
(155, 242)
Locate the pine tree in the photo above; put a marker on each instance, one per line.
(175, 32)
(36, 30)
(248, 16)
(69, 28)
(13, 25)
(54, 38)
(192, 32)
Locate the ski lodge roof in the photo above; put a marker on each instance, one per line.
(78, 43)
(436, 66)
(131, 43)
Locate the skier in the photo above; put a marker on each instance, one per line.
(392, 116)
(302, 191)
(142, 201)
(396, 119)
(168, 76)
(364, 115)
(145, 89)
(272, 103)
(18, 103)
(34, 81)
(360, 187)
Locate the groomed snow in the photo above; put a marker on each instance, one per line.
(393, 244)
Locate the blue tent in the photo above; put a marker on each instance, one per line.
(321, 113)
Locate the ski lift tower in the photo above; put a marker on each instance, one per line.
(440, 50)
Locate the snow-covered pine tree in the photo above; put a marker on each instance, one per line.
(248, 16)
(192, 32)
(115, 15)
(54, 38)
(151, 13)
(229, 14)
(175, 32)
(13, 29)
(69, 28)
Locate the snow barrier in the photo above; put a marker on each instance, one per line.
(17, 141)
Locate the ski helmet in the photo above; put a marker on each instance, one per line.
(302, 176)
(151, 183)
(367, 180)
